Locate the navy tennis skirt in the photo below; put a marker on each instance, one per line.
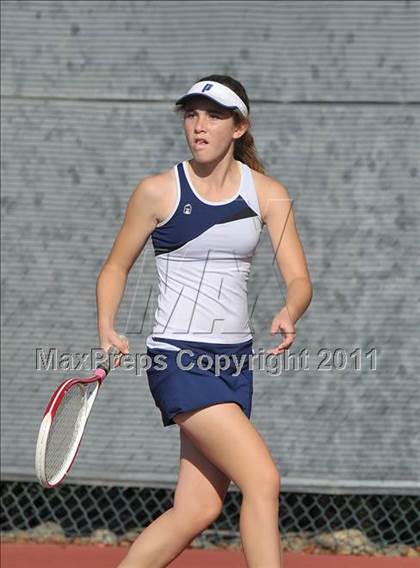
(207, 380)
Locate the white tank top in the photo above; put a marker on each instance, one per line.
(203, 253)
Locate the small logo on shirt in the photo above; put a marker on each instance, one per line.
(187, 209)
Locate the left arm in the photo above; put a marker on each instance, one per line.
(277, 213)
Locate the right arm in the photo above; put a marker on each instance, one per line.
(139, 222)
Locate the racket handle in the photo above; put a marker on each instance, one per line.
(106, 365)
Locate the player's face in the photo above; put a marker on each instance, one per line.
(209, 129)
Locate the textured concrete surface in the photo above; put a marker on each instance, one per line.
(87, 92)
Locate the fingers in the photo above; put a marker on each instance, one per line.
(113, 338)
(280, 348)
(110, 339)
(123, 346)
(285, 344)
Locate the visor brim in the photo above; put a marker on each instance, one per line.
(191, 95)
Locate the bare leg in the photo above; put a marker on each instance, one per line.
(198, 501)
(229, 440)
(260, 535)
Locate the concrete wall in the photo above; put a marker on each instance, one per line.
(87, 95)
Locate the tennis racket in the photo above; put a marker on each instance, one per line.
(64, 422)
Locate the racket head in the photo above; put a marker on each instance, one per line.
(62, 428)
(64, 422)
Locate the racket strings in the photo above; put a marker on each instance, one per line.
(63, 437)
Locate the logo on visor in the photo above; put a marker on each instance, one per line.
(206, 87)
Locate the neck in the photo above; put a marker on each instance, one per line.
(216, 174)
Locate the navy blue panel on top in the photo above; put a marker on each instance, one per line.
(182, 227)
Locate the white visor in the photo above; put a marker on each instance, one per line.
(218, 93)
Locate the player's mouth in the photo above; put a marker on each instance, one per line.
(200, 143)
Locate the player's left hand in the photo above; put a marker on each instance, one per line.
(282, 323)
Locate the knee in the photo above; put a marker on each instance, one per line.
(200, 515)
(270, 482)
(267, 485)
(210, 513)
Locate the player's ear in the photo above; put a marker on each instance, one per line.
(240, 129)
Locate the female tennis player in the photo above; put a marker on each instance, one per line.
(205, 216)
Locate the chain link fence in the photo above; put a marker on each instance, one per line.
(344, 524)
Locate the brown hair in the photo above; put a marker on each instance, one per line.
(244, 149)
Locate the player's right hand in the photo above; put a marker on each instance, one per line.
(111, 337)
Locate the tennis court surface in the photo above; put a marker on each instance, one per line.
(82, 556)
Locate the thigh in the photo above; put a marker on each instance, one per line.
(201, 484)
(230, 441)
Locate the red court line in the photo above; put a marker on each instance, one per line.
(89, 556)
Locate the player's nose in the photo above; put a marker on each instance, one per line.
(200, 123)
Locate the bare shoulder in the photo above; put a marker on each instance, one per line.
(156, 193)
(269, 191)
(153, 187)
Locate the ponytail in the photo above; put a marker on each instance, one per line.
(246, 152)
